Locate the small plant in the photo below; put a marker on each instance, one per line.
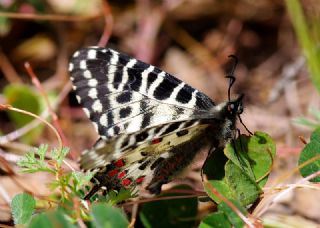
(66, 200)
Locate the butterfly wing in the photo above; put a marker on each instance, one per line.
(148, 120)
(150, 162)
(122, 95)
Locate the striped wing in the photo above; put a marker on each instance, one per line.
(122, 95)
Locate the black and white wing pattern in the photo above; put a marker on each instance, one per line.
(151, 124)
(122, 95)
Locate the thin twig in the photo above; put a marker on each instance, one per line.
(5, 195)
(77, 209)
(262, 209)
(163, 198)
(18, 147)
(265, 203)
(108, 26)
(37, 83)
(288, 73)
(5, 226)
(148, 26)
(8, 70)
(134, 215)
(51, 17)
(9, 107)
(6, 166)
(28, 127)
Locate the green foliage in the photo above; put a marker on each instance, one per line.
(311, 151)
(34, 161)
(114, 197)
(68, 183)
(22, 206)
(224, 217)
(174, 212)
(70, 186)
(51, 219)
(233, 218)
(104, 215)
(215, 220)
(24, 97)
(308, 33)
(240, 173)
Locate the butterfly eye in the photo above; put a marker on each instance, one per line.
(230, 107)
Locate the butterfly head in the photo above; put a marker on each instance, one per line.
(235, 108)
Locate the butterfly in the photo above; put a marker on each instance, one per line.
(151, 124)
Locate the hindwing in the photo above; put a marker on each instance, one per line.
(148, 157)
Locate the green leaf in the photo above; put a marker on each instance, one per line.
(306, 122)
(23, 97)
(254, 155)
(51, 219)
(40, 220)
(34, 161)
(59, 155)
(80, 178)
(22, 207)
(214, 169)
(311, 150)
(115, 197)
(224, 217)
(105, 216)
(241, 186)
(261, 153)
(215, 220)
(170, 213)
(232, 216)
(237, 173)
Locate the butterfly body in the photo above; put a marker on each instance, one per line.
(151, 124)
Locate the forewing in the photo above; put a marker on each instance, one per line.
(122, 95)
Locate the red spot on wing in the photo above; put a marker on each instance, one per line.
(156, 141)
(112, 173)
(139, 180)
(126, 182)
(119, 163)
(122, 174)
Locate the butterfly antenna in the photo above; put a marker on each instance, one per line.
(231, 74)
(244, 125)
